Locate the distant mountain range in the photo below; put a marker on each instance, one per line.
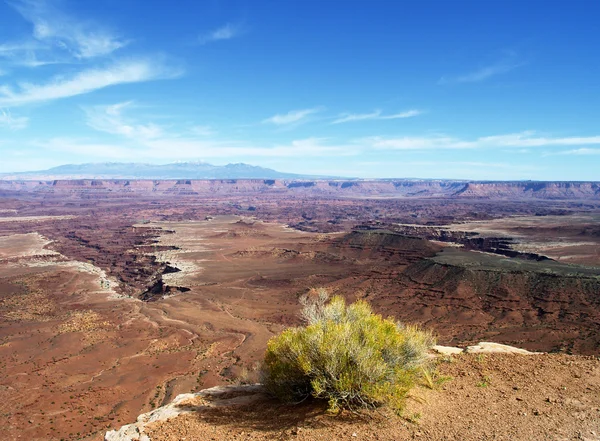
(178, 170)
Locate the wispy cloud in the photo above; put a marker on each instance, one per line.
(157, 142)
(577, 152)
(174, 148)
(110, 119)
(85, 148)
(292, 117)
(12, 122)
(9, 49)
(407, 114)
(226, 32)
(377, 115)
(82, 39)
(514, 140)
(418, 143)
(528, 139)
(202, 131)
(31, 54)
(442, 164)
(186, 148)
(505, 65)
(478, 164)
(86, 81)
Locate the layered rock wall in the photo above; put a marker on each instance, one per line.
(389, 188)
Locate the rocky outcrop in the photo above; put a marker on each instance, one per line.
(543, 306)
(220, 396)
(469, 240)
(482, 348)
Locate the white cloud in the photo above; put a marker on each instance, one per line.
(294, 116)
(407, 114)
(527, 139)
(505, 65)
(171, 148)
(110, 119)
(485, 73)
(477, 164)
(85, 148)
(351, 117)
(149, 140)
(9, 49)
(31, 54)
(85, 81)
(520, 140)
(12, 122)
(202, 131)
(309, 147)
(225, 32)
(82, 39)
(167, 146)
(418, 143)
(578, 152)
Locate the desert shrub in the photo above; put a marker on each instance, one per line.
(347, 355)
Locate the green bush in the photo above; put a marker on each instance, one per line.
(347, 355)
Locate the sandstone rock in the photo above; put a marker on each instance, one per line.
(490, 348)
(447, 350)
(219, 396)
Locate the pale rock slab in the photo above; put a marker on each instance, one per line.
(220, 396)
(495, 348)
(447, 350)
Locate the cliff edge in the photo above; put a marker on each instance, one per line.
(487, 391)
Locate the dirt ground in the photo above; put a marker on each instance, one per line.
(486, 397)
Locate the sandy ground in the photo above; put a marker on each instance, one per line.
(24, 245)
(21, 219)
(486, 397)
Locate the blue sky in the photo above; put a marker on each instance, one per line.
(430, 89)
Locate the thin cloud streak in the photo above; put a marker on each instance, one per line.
(576, 152)
(110, 119)
(203, 131)
(11, 122)
(376, 115)
(519, 140)
(501, 67)
(32, 54)
(154, 141)
(187, 149)
(407, 114)
(226, 32)
(293, 116)
(85, 81)
(82, 39)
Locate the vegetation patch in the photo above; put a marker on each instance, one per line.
(346, 355)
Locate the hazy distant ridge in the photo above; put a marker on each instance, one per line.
(231, 184)
(178, 170)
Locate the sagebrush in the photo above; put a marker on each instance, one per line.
(347, 355)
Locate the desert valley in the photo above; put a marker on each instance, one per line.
(118, 295)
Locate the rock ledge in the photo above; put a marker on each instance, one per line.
(220, 396)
